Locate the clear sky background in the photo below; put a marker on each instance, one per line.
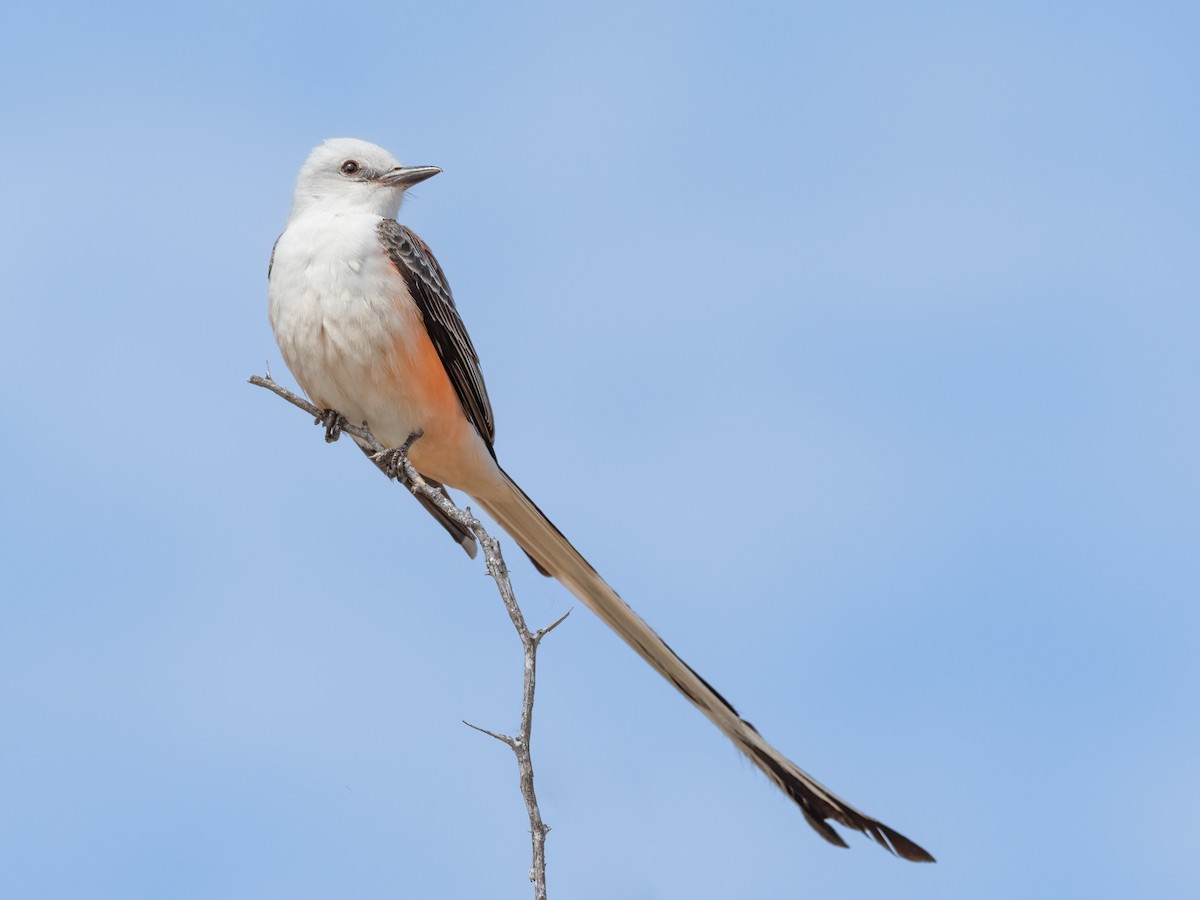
(855, 344)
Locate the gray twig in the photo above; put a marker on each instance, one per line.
(395, 463)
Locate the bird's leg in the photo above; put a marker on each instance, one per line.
(392, 461)
(333, 421)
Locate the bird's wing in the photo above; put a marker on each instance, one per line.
(431, 292)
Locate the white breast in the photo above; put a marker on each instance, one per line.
(334, 305)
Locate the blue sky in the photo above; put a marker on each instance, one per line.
(855, 344)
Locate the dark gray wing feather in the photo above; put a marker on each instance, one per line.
(431, 292)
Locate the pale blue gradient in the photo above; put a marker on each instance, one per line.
(856, 345)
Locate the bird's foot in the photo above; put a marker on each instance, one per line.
(333, 421)
(392, 461)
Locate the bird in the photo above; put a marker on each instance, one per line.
(366, 322)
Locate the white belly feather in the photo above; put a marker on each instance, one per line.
(334, 305)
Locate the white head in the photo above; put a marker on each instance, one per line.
(348, 175)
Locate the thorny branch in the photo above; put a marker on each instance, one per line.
(394, 462)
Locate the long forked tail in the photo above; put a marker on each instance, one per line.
(552, 552)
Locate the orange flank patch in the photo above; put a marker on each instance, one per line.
(415, 370)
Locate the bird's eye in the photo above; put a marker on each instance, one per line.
(349, 167)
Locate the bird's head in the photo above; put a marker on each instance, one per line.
(349, 175)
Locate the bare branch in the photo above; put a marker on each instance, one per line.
(502, 738)
(394, 463)
(542, 632)
(361, 432)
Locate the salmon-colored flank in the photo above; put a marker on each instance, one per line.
(444, 450)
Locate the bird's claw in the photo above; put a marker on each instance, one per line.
(392, 461)
(333, 421)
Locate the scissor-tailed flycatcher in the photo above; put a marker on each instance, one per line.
(366, 323)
